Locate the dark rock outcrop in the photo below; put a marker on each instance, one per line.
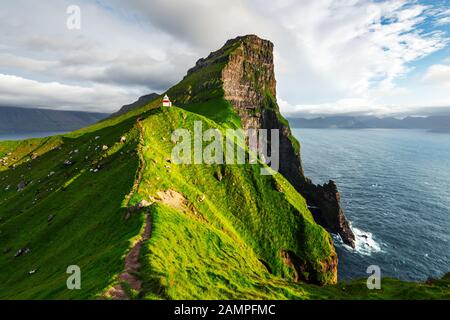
(304, 272)
(327, 211)
(22, 184)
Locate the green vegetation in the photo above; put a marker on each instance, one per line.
(218, 110)
(222, 240)
(66, 215)
(187, 258)
(243, 208)
(218, 231)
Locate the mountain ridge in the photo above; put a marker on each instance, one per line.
(433, 123)
(22, 120)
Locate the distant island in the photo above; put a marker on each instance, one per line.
(24, 120)
(432, 123)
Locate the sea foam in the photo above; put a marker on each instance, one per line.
(365, 243)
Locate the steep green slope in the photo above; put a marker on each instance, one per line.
(66, 214)
(224, 205)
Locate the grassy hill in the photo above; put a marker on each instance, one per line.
(109, 199)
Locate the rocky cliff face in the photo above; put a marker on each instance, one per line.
(249, 84)
(242, 72)
(249, 79)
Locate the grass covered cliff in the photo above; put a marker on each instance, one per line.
(241, 73)
(109, 199)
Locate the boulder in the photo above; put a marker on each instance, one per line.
(22, 184)
(218, 176)
(21, 252)
(143, 204)
(31, 272)
(68, 163)
(138, 207)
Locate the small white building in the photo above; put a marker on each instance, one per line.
(166, 101)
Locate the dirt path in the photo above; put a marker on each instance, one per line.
(129, 278)
(142, 163)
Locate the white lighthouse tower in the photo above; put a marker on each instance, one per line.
(166, 101)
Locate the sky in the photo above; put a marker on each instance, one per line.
(332, 57)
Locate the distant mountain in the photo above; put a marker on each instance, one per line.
(432, 123)
(137, 104)
(18, 120)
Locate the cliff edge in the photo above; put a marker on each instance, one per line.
(242, 71)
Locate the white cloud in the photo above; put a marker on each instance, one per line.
(442, 17)
(349, 51)
(357, 107)
(17, 91)
(108, 48)
(351, 106)
(438, 74)
(8, 60)
(344, 55)
(325, 50)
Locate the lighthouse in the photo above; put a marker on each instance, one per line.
(166, 101)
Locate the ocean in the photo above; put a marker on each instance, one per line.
(395, 188)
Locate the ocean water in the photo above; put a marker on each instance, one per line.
(21, 136)
(395, 187)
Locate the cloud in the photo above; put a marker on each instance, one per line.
(438, 74)
(325, 50)
(348, 51)
(11, 61)
(109, 48)
(17, 91)
(345, 56)
(361, 107)
(442, 17)
(202, 24)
